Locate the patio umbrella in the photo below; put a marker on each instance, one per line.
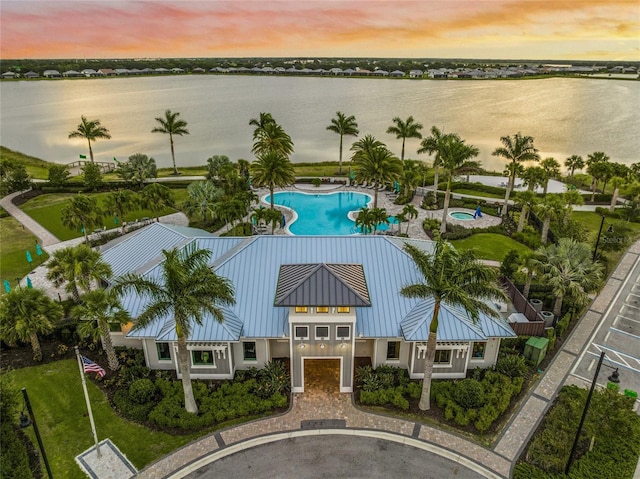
(38, 249)
(284, 221)
(7, 286)
(29, 284)
(29, 258)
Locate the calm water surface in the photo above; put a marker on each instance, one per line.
(565, 116)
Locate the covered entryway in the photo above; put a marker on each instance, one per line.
(321, 375)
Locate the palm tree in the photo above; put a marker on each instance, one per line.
(25, 313)
(527, 200)
(138, 169)
(459, 280)
(568, 269)
(343, 125)
(533, 176)
(216, 164)
(188, 291)
(552, 206)
(596, 168)
(432, 145)
(551, 169)
(121, 202)
(404, 130)
(516, 149)
(260, 123)
(616, 182)
(81, 211)
(528, 264)
(92, 131)
(365, 220)
(409, 212)
(156, 198)
(374, 163)
(77, 267)
(98, 310)
(173, 126)
(379, 216)
(453, 154)
(272, 138)
(410, 176)
(203, 196)
(572, 197)
(272, 169)
(573, 163)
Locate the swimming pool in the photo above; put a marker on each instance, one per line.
(324, 214)
(462, 216)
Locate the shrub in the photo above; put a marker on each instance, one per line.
(562, 325)
(512, 365)
(414, 390)
(509, 264)
(273, 379)
(392, 396)
(469, 393)
(486, 416)
(131, 409)
(142, 391)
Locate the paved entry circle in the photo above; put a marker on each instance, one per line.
(322, 375)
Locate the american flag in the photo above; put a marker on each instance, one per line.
(91, 367)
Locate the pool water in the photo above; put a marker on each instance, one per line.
(324, 214)
(461, 216)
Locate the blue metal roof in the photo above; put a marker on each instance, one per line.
(253, 264)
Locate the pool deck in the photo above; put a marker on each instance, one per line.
(384, 201)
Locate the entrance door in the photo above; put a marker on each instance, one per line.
(322, 375)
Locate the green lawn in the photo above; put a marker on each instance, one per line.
(55, 392)
(15, 240)
(464, 191)
(45, 209)
(489, 245)
(36, 167)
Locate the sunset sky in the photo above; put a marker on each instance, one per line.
(524, 29)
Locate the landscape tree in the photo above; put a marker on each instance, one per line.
(216, 164)
(19, 179)
(526, 200)
(567, 268)
(77, 267)
(374, 163)
(343, 125)
(203, 196)
(616, 182)
(379, 217)
(551, 169)
(58, 175)
(405, 129)
(171, 125)
(121, 202)
(596, 166)
(550, 207)
(457, 279)
(188, 291)
(24, 314)
(260, 123)
(138, 169)
(365, 220)
(272, 169)
(156, 198)
(92, 176)
(272, 138)
(91, 130)
(532, 176)
(573, 163)
(96, 312)
(81, 212)
(432, 145)
(410, 177)
(409, 212)
(515, 149)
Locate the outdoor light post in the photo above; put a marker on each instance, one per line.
(26, 422)
(614, 378)
(610, 230)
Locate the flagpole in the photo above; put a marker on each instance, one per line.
(86, 397)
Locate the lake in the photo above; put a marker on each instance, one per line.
(565, 116)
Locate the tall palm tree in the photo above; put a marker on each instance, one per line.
(91, 130)
(379, 217)
(457, 279)
(568, 269)
(410, 176)
(409, 212)
(533, 176)
(24, 314)
(616, 182)
(343, 125)
(187, 291)
(365, 220)
(156, 198)
(98, 309)
(77, 267)
(81, 211)
(203, 196)
(171, 125)
(515, 149)
(432, 145)
(273, 170)
(405, 129)
(526, 200)
(121, 202)
(272, 138)
(528, 265)
(551, 169)
(374, 163)
(573, 163)
(596, 166)
(453, 155)
(552, 206)
(260, 123)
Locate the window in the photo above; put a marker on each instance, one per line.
(164, 353)
(322, 332)
(478, 350)
(249, 351)
(443, 356)
(393, 350)
(202, 358)
(301, 332)
(343, 309)
(115, 327)
(301, 309)
(322, 309)
(343, 332)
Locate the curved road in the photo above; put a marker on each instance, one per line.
(334, 456)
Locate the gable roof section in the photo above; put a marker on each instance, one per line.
(322, 285)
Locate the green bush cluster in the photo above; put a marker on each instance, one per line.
(512, 365)
(562, 325)
(14, 459)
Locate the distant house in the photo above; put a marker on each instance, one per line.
(396, 74)
(162, 71)
(381, 73)
(300, 298)
(198, 70)
(177, 70)
(51, 74)
(121, 71)
(9, 75)
(89, 72)
(106, 72)
(416, 74)
(31, 75)
(71, 74)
